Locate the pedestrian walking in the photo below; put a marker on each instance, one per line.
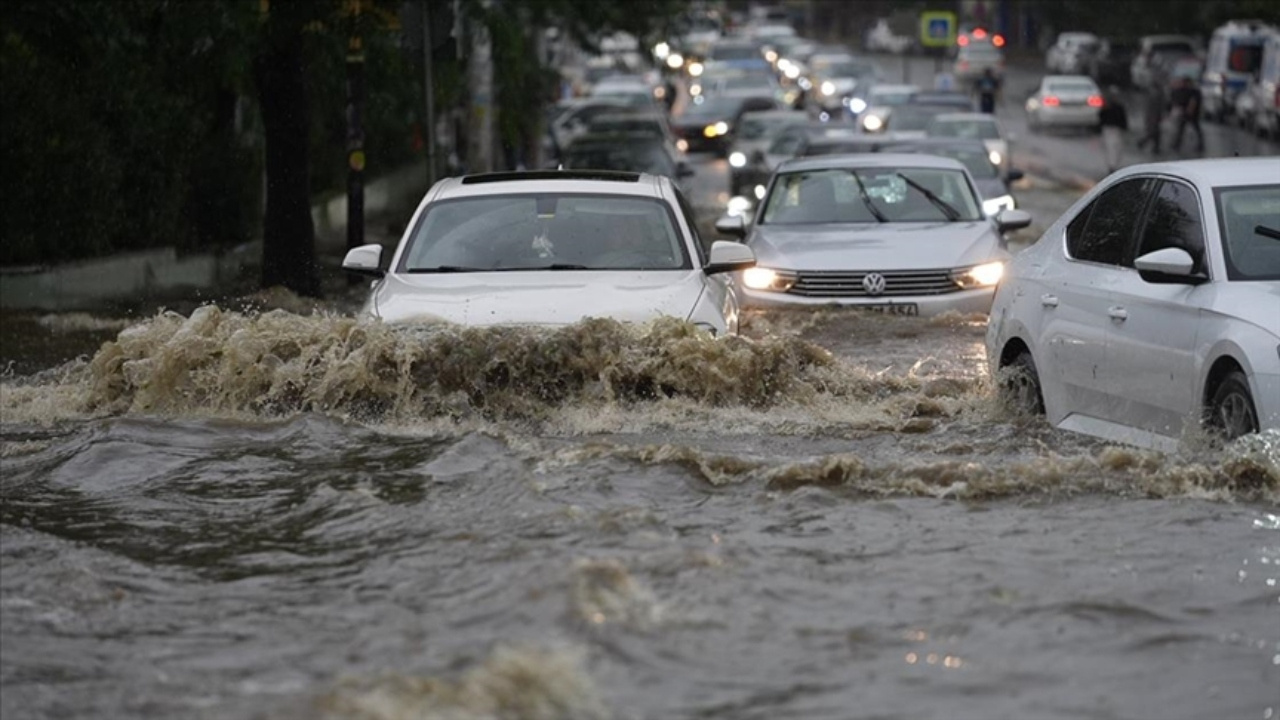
(1114, 120)
(1186, 101)
(987, 85)
(1153, 114)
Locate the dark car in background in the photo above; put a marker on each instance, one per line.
(708, 126)
(628, 152)
(1111, 64)
(993, 187)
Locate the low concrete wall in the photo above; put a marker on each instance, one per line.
(86, 285)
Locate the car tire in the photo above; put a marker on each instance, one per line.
(1231, 412)
(1019, 386)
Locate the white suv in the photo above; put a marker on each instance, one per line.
(553, 247)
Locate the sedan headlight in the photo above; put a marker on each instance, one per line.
(995, 157)
(872, 123)
(984, 275)
(993, 206)
(857, 105)
(759, 278)
(716, 129)
(828, 88)
(737, 159)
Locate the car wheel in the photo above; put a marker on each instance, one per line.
(1019, 386)
(1231, 412)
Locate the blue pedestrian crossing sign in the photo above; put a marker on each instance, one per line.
(937, 28)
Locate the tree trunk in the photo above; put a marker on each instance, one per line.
(288, 236)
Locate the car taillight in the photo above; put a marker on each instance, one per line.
(962, 40)
(1095, 101)
(979, 33)
(1051, 100)
(998, 40)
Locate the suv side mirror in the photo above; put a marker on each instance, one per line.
(728, 256)
(364, 260)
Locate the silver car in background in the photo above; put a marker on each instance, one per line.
(552, 248)
(897, 233)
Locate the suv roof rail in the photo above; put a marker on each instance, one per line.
(612, 175)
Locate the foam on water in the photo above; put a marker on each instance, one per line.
(512, 683)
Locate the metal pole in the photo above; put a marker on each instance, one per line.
(430, 131)
(355, 132)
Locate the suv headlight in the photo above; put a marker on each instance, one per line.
(760, 278)
(984, 275)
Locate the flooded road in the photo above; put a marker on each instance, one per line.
(219, 514)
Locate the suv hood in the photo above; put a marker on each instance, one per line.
(542, 297)
(881, 246)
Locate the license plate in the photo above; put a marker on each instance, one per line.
(894, 309)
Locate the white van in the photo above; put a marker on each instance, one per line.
(1265, 91)
(1234, 59)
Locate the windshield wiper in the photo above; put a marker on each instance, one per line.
(447, 269)
(951, 213)
(1267, 232)
(866, 198)
(557, 266)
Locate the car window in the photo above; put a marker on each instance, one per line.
(1250, 255)
(895, 195)
(1103, 231)
(1174, 220)
(521, 232)
(787, 144)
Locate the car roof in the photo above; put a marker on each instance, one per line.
(871, 161)
(1216, 172)
(604, 182)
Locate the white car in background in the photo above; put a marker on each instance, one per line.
(550, 248)
(1064, 101)
(903, 234)
(1152, 305)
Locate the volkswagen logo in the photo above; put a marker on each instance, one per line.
(873, 283)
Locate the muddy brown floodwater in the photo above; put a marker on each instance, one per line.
(226, 514)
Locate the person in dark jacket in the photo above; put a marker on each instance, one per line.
(1186, 101)
(1114, 120)
(986, 87)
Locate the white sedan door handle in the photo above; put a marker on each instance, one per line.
(1118, 313)
(1049, 300)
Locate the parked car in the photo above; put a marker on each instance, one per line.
(976, 126)
(1071, 53)
(1152, 304)
(902, 234)
(553, 247)
(1153, 50)
(994, 186)
(1233, 60)
(1064, 101)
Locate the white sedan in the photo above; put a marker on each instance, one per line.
(551, 248)
(1064, 101)
(1151, 306)
(897, 233)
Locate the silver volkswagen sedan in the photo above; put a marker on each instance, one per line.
(550, 248)
(1152, 305)
(897, 233)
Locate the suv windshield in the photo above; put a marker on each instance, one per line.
(545, 231)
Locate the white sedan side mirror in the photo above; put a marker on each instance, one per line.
(1169, 261)
(364, 260)
(729, 256)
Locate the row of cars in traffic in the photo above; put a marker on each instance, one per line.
(1154, 301)
(1238, 73)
